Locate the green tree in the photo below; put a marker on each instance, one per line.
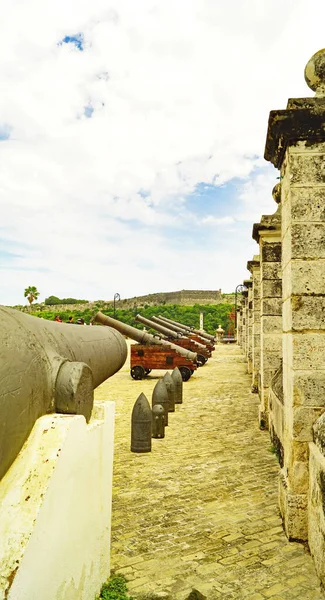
(31, 294)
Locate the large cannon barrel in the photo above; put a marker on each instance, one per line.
(49, 367)
(173, 329)
(197, 331)
(165, 330)
(143, 337)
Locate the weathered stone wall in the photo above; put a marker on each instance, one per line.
(56, 509)
(292, 302)
(254, 267)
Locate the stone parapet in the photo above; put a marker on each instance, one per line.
(296, 144)
(254, 267)
(268, 235)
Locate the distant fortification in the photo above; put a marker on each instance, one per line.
(181, 298)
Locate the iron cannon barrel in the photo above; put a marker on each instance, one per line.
(175, 329)
(49, 367)
(158, 327)
(197, 331)
(165, 323)
(143, 337)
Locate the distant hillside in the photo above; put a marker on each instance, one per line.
(180, 298)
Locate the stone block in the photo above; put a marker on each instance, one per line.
(271, 324)
(271, 252)
(308, 351)
(316, 502)
(286, 247)
(308, 204)
(307, 242)
(308, 312)
(287, 315)
(271, 288)
(257, 316)
(271, 307)
(276, 415)
(303, 420)
(294, 511)
(299, 451)
(272, 343)
(309, 388)
(307, 277)
(267, 374)
(270, 360)
(271, 270)
(307, 168)
(256, 340)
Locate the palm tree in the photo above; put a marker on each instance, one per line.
(31, 294)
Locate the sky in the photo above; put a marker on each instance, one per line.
(132, 138)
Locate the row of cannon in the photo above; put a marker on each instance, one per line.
(48, 367)
(150, 422)
(175, 345)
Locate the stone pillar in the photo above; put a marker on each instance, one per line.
(244, 320)
(249, 323)
(267, 234)
(239, 328)
(254, 267)
(296, 144)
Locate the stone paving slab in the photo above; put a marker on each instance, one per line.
(200, 511)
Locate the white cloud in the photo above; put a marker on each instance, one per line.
(181, 92)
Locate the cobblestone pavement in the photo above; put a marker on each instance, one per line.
(200, 511)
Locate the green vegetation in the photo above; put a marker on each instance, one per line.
(53, 300)
(214, 314)
(114, 589)
(31, 294)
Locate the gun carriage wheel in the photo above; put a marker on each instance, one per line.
(138, 372)
(185, 373)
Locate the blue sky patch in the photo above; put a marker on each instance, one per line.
(5, 131)
(77, 40)
(88, 111)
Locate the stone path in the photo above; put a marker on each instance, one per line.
(200, 511)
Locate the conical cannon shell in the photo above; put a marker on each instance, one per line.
(141, 425)
(178, 383)
(160, 396)
(167, 378)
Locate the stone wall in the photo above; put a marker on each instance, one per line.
(56, 509)
(291, 381)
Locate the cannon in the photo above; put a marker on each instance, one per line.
(49, 367)
(207, 344)
(179, 339)
(152, 352)
(202, 334)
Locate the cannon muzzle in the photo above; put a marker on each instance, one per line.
(49, 367)
(184, 333)
(158, 327)
(203, 334)
(143, 337)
